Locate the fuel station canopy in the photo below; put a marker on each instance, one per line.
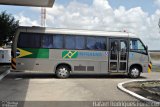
(37, 3)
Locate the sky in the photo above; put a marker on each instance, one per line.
(136, 16)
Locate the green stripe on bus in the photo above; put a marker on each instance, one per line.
(36, 53)
(69, 54)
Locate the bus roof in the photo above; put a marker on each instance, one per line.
(75, 32)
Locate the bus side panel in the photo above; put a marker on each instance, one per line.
(138, 58)
(81, 60)
(87, 62)
(34, 64)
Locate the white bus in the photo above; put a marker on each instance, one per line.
(64, 51)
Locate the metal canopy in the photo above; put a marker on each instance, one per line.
(37, 3)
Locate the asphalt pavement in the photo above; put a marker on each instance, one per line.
(4, 68)
(46, 87)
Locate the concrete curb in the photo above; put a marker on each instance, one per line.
(4, 74)
(120, 86)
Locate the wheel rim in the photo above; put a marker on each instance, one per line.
(135, 72)
(63, 72)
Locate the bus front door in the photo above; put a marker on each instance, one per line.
(118, 55)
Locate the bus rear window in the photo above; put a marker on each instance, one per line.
(29, 40)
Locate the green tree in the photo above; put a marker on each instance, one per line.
(8, 27)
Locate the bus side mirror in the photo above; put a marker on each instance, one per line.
(146, 47)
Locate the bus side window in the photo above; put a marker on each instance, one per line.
(101, 43)
(137, 46)
(96, 43)
(58, 41)
(80, 42)
(91, 43)
(70, 42)
(134, 44)
(47, 41)
(29, 40)
(52, 41)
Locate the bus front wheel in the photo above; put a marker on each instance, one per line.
(134, 72)
(62, 71)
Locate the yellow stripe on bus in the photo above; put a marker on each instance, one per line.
(149, 68)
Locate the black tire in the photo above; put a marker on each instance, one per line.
(134, 72)
(62, 71)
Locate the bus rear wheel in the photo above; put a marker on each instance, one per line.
(134, 72)
(62, 71)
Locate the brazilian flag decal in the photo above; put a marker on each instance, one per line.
(32, 53)
(69, 54)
